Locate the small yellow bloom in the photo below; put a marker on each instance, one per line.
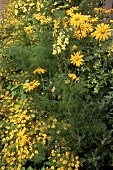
(77, 157)
(36, 152)
(73, 76)
(52, 167)
(3, 168)
(77, 165)
(53, 126)
(61, 159)
(54, 160)
(54, 52)
(53, 89)
(64, 162)
(74, 47)
(39, 71)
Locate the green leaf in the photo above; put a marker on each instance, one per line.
(88, 58)
(43, 168)
(23, 96)
(13, 93)
(21, 91)
(15, 87)
(58, 150)
(49, 163)
(29, 168)
(23, 168)
(9, 87)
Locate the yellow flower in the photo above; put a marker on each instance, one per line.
(39, 71)
(63, 47)
(86, 27)
(76, 20)
(53, 89)
(64, 162)
(30, 86)
(53, 126)
(102, 32)
(3, 167)
(74, 47)
(73, 76)
(1, 74)
(76, 59)
(61, 168)
(52, 167)
(77, 165)
(54, 160)
(54, 52)
(77, 157)
(59, 41)
(61, 159)
(22, 138)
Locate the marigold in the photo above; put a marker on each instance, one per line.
(102, 32)
(76, 59)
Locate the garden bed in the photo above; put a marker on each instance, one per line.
(56, 86)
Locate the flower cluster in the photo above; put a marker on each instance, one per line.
(61, 43)
(62, 158)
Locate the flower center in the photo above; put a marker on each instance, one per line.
(102, 31)
(76, 58)
(31, 84)
(76, 18)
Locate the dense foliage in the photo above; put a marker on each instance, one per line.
(56, 86)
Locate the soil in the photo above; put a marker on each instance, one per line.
(2, 4)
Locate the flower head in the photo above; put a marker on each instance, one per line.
(22, 138)
(30, 86)
(76, 59)
(73, 76)
(39, 71)
(102, 32)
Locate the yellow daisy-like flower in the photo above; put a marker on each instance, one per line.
(102, 32)
(30, 86)
(76, 20)
(76, 59)
(86, 27)
(39, 71)
(73, 76)
(22, 138)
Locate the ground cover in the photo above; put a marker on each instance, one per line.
(56, 86)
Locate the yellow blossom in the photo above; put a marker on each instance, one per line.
(73, 76)
(53, 89)
(102, 32)
(39, 71)
(22, 138)
(30, 86)
(76, 59)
